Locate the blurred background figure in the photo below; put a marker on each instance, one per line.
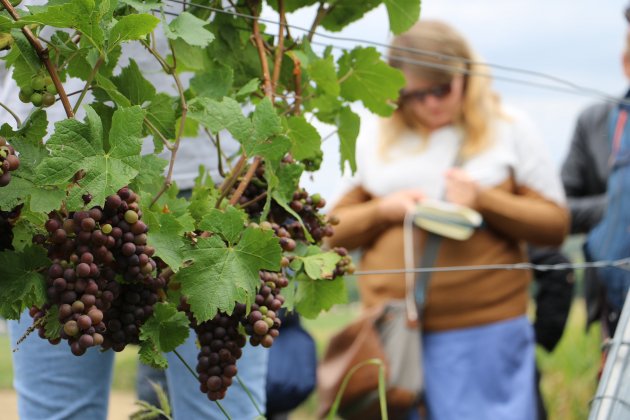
(478, 343)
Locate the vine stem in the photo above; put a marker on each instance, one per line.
(322, 11)
(268, 89)
(153, 128)
(88, 82)
(297, 80)
(245, 181)
(229, 182)
(260, 46)
(280, 48)
(182, 121)
(13, 114)
(43, 55)
(249, 394)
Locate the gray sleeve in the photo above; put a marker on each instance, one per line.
(587, 206)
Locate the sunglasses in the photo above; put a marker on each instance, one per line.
(420, 95)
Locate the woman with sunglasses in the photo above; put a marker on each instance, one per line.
(451, 139)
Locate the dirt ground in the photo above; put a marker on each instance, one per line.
(121, 405)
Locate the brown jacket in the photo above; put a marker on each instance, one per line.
(512, 216)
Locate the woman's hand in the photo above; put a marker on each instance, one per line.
(460, 188)
(393, 207)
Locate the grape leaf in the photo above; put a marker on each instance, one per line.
(219, 276)
(248, 88)
(266, 140)
(76, 147)
(21, 283)
(214, 83)
(133, 85)
(26, 50)
(166, 235)
(368, 79)
(345, 12)
(151, 356)
(132, 27)
(228, 223)
(349, 125)
(161, 114)
(305, 139)
(5, 24)
(151, 176)
(402, 14)
(322, 72)
(189, 28)
(82, 15)
(52, 326)
(167, 328)
(314, 296)
(110, 88)
(317, 264)
(26, 226)
(217, 116)
(143, 6)
(28, 140)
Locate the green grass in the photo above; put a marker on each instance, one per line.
(569, 373)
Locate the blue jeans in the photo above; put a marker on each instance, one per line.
(52, 383)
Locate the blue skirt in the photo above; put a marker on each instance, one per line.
(483, 373)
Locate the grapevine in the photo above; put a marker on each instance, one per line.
(117, 258)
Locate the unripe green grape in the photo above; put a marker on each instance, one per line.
(48, 99)
(37, 83)
(131, 217)
(37, 99)
(51, 88)
(24, 97)
(48, 80)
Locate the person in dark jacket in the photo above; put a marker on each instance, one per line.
(584, 175)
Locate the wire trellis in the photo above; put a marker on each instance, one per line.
(623, 263)
(571, 87)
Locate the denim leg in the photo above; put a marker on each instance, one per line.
(52, 383)
(189, 403)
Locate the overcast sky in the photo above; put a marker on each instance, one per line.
(576, 40)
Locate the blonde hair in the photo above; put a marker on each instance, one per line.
(480, 104)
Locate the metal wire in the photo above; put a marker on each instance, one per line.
(433, 54)
(623, 264)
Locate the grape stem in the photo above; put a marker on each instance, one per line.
(42, 53)
(13, 114)
(88, 82)
(249, 394)
(179, 356)
(171, 69)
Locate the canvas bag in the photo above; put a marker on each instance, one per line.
(610, 239)
(390, 333)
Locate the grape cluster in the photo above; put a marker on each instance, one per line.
(127, 314)
(344, 265)
(307, 207)
(90, 251)
(40, 92)
(221, 346)
(8, 162)
(262, 323)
